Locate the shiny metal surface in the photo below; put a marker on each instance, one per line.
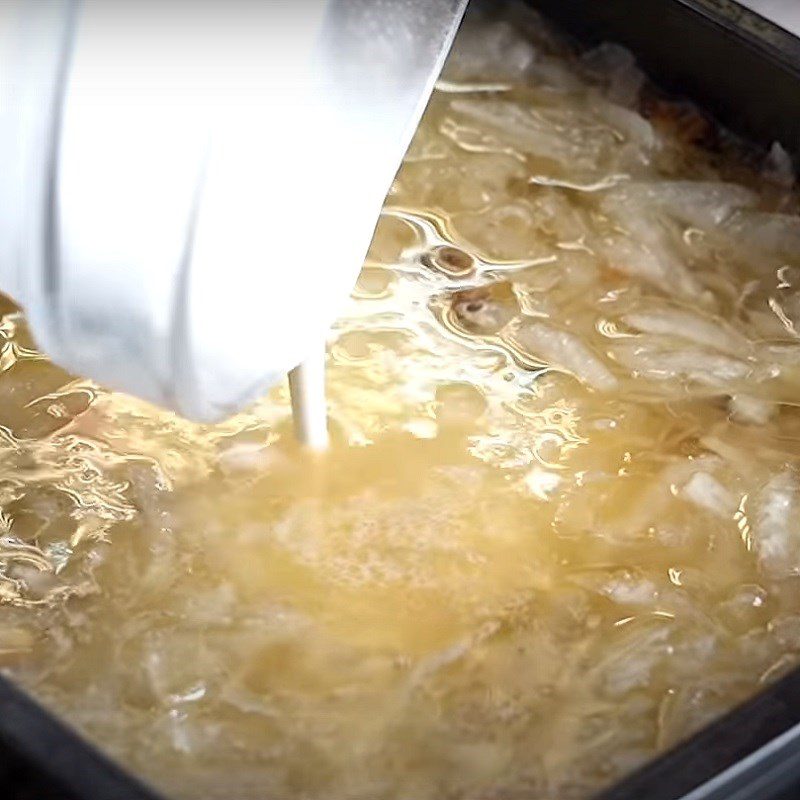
(181, 178)
(785, 13)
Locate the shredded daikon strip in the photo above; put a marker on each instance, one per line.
(524, 130)
(486, 52)
(690, 326)
(645, 510)
(645, 245)
(618, 66)
(651, 361)
(703, 204)
(632, 126)
(641, 247)
(778, 167)
(752, 410)
(470, 87)
(645, 254)
(705, 491)
(566, 351)
(628, 590)
(774, 233)
(776, 528)
(596, 186)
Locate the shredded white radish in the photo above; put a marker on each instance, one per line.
(646, 255)
(566, 351)
(777, 234)
(651, 361)
(702, 204)
(776, 526)
(752, 410)
(691, 327)
(618, 67)
(641, 246)
(628, 590)
(629, 124)
(595, 186)
(778, 166)
(486, 52)
(524, 130)
(705, 491)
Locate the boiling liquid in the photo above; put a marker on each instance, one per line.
(556, 530)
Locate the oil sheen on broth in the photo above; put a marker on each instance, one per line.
(559, 525)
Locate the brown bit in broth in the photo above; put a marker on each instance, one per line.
(485, 310)
(451, 261)
(683, 120)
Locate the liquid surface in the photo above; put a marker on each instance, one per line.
(558, 528)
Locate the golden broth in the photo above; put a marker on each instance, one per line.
(557, 531)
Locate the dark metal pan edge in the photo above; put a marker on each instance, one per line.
(752, 729)
(752, 29)
(731, 62)
(45, 759)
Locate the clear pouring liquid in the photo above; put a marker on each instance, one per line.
(309, 408)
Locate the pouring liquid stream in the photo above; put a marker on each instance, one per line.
(309, 408)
